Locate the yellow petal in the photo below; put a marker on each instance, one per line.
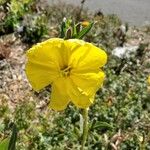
(86, 57)
(88, 82)
(59, 98)
(49, 51)
(77, 96)
(44, 61)
(40, 75)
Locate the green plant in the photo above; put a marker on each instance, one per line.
(9, 143)
(13, 14)
(34, 28)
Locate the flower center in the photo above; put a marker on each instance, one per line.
(65, 72)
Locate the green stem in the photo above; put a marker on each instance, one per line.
(85, 128)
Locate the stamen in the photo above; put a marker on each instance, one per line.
(66, 71)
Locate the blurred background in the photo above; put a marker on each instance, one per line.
(136, 12)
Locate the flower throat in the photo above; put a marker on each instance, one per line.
(65, 71)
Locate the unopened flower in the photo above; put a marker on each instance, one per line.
(72, 67)
(85, 23)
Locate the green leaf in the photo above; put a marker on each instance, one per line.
(84, 31)
(13, 139)
(68, 34)
(65, 26)
(4, 144)
(102, 125)
(78, 27)
(63, 30)
(77, 132)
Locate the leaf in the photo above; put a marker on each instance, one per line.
(4, 144)
(63, 29)
(13, 139)
(77, 132)
(68, 34)
(102, 125)
(78, 28)
(84, 31)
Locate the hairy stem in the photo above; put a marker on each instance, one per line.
(85, 128)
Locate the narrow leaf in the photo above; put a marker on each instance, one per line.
(68, 34)
(13, 139)
(102, 125)
(63, 30)
(4, 144)
(78, 28)
(84, 31)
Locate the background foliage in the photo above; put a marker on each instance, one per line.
(120, 116)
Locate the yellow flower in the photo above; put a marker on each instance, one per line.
(72, 67)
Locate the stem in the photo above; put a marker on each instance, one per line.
(85, 128)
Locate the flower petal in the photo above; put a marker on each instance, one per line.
(59, 98)
(86, 57)
(44, 61)
(77, 96)
(89, 82)
(40, 75)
